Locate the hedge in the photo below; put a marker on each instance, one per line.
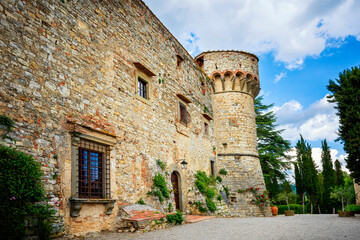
(297, 208)
(354, 208)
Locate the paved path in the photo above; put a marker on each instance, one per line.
(297, 227)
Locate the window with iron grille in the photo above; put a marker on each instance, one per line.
(184, 114)
(142, 88)
(93, 170)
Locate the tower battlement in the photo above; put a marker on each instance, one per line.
(231, 71)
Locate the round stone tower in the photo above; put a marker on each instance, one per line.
(235, 82)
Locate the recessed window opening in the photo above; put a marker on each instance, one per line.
(142, 88)
(206, 129)
(183, 113)
(212, 168)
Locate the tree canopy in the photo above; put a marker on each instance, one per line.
(272, 147)
(346, 93)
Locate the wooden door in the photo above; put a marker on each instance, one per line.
(176, 188)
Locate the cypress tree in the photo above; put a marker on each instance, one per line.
(308, 170)
(328, 176)
(339, 174)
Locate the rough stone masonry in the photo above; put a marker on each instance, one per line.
(101, 90)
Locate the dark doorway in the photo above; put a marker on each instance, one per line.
(176, 187)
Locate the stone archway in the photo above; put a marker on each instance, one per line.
(175, 180)
(176, 169)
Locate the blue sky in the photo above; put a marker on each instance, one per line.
(300, 44)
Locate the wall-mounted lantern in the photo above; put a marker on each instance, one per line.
(183, 164)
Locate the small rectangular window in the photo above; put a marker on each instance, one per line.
(206, 129)
(142, 88)
(212, 168)
(184, 115)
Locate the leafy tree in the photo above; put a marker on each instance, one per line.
(307, 169)
(344, 193)
(346, 93)
(328, 175)
(286, 196)
(272, 147)
(339, 174)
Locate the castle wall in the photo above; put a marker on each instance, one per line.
(70, 65)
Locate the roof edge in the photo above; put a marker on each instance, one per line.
(236, 51)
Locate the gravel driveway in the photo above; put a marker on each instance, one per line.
(325, 226)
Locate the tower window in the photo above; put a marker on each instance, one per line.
(143, 88)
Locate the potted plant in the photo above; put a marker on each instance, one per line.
(283, 196)
(343, 193)
(274, 210)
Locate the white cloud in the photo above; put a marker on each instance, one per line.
(279, 76)
(317, 122)
(291, 29)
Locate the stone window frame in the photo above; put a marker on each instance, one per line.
(140, 76)
(184, 102)
(206, 120)
(145, 74)
(79, 133)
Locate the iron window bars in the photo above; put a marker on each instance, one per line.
(93, 170)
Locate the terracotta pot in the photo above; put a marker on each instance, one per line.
(345, 214)
(289, 213)
(274, 210)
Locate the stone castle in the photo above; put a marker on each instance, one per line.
(101, 91)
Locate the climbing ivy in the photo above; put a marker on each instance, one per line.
(159, 188)
(206, 186)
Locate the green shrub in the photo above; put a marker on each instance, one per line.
(6, 122)
(176, 218)
(161, 164)
(223, 172)
(226, 190)
(202, 209)
(219, 179)
(201, 186)
(219, 198)
(20, 189)
(353, 207)
(210, 193)
(159, 188)
(201, 176)
(297, 208)
(212, 180)
(141, 202)
(210, 205)
(43, 213)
